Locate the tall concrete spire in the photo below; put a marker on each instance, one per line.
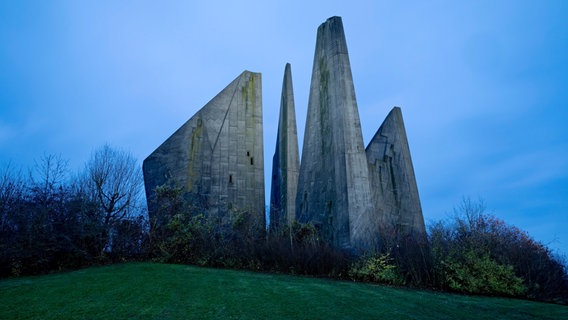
(286, 160)
(216, 158)
(333, 189)
(394, 188)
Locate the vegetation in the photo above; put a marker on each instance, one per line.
(52, 221)
(473, 253)
(160, 291)
(376, 268)
(477, 253)
(482, 275)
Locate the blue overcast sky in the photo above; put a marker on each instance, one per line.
(483, 85)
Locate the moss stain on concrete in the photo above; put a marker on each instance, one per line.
(194, 150)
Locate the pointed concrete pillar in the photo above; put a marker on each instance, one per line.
(286, 160)
(333, 189)
(392, 178)
(216, 158)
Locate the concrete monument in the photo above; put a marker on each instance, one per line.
(333, 187)
(348, 192)
(217, 156)
(286, 160)
(395, 192)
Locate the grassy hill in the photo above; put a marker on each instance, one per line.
(158, 291)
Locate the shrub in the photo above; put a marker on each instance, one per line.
(379, 268)
(477, 253)
(479, 274)
(297, 248)
(184, 241)
(410, 253)
(185, 233)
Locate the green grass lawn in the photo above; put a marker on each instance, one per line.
(158, 291)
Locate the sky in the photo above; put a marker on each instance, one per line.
(483, 86)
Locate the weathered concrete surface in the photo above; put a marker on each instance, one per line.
(394, 188)
(286, 160)
(217, 156)
(333, 188)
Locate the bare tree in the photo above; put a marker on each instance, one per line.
(114, 181)
(47, 199)
(47, 175)
(11, 197)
